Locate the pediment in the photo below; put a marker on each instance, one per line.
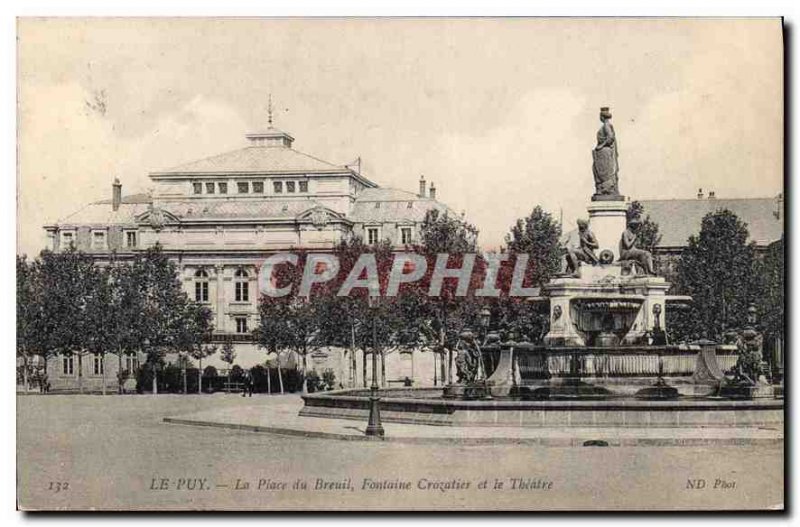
(157, 217)
(319, 216)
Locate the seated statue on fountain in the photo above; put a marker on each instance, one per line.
(583, 253)
(629, 251)
(468, 361)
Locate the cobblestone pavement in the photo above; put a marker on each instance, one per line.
(116, 452)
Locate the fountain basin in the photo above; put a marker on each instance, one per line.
(427, 406)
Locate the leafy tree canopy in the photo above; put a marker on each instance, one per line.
(718, 269)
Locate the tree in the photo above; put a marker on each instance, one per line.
(293, 322)
(102, 319)
(442, 233)
(356, 321)
(718, 269)
(165, 311)
(66, 284)
(537, 235)
(435, 322)
(27, 315)
(120, 324)
(228, 355)
(771, 300)
(193, 333)
(648, 235)
(199, 353)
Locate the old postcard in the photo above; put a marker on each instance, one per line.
(448, 264)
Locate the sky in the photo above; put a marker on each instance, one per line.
(500, 113)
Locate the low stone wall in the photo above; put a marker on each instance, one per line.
(354, 404)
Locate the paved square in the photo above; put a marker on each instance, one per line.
(80, 452)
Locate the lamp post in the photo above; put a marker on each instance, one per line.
(485, 319)
(752, 318)
(374, 425)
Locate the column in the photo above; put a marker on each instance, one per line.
(221, 324)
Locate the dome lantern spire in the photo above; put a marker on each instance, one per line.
(272, 137)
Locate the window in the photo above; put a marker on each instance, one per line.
(303, 186)
(198, 188)
(405, 235)
(242, 286)
(201, 286)
(241, 325)
(243, 187)
(68, 365)
(258, 187)
(290, 187)
(67, 239)
(372, 235)
(98, 240)
(223, 187)
(209, 188)
(131, 364)
(98, 364)
(277, 187)
(130, 239)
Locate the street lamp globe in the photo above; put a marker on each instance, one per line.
(485, 317)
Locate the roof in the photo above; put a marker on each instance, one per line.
(239, 209)
(393, 205)
(680, 218)
(256, 159)
(133, 198)
(101, 213)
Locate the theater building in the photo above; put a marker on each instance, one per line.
(219, 217)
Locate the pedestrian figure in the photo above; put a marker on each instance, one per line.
(247, 389)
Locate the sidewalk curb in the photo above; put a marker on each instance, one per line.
(470, 441)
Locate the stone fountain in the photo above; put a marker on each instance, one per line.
(606, 359)
(607, 332)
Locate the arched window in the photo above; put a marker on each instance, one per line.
(242, 285)
(201, 286)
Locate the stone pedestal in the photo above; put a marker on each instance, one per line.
(635, 304)
(607, 222)
(563, 330)
(505, 378)
(654, 290)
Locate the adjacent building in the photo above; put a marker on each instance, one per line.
(678, 219)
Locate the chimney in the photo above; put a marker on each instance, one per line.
(699, 193)
(433, 190)
(711, 195)
(116, 194)
(422, 186)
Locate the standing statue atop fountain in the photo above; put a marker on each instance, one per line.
(585, 252)
(605, 165)
(629, 251)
